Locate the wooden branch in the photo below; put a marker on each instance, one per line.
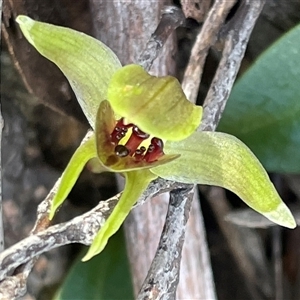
(172, 17)
(163, 276)
(15, 286)
(81, 229)
(196, 239)
(205, 39)
(233, 53)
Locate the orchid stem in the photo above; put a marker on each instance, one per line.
(172, 18)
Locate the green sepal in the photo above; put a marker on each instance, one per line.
(85, 152)
(136, 183)
(105, 123)
(157, 105)
(219, 159)
(87, 63)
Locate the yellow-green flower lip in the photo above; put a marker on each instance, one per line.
(157, 105)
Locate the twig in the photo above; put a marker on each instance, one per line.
(190, 87)
(15, 286)
(81, 229)
(196, 240)
(172, 17)
(163, 276)
(233, 53)
(205, 39)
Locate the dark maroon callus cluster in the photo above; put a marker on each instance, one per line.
(154, 151)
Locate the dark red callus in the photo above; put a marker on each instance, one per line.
(136, 139)
(119, 131)
(139, 153)
(154, 151)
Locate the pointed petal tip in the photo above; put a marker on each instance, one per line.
(88, 256)
(97, 246)
(26, 25)
(24, 20)
(282, 216)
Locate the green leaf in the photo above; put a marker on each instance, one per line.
(136, 183)
(219, 159)
(104, 277)
(87, 63)
(157, 105)
(85, 152)
(264, 107)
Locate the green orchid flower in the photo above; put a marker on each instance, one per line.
(144, 127)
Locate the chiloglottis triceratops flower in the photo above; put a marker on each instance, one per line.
(144, 127)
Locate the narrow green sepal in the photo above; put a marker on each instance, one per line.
(87, 63)
(157, 105)
(85, 152)
(136, 183)
(219, 159)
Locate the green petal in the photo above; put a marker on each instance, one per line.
(105, 123)
(216, 158)
(86, 62)
(136, 183)
(82, 155)
(157, 106)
